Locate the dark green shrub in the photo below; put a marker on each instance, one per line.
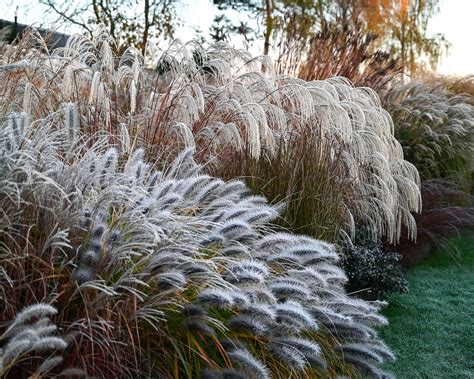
(373, 273)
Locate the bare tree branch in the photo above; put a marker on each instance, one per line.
(125, 23)
(71, 18)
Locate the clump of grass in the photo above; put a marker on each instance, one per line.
(156, 268)
(336, 50)
(218, 101)
(336, 176)
(435, 129)
(302, 175)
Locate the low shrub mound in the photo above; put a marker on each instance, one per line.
(373, 272)
(159, 273)
(447, 212)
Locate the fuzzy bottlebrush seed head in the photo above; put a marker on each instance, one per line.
(194, 262)
(193, 310)
(171, 280)
(247, 271)
(71, 121)
(216, 297)
(288, 354)
(49, 364)
(26, 336)
(235, 251)
(291, 314)
(227, 286)
(83, 274)
(249, 364)
(290, 289)
(33, 312)
(310, 350)
(250, 325)
(199, 326)
(89, 258)
(261, 311)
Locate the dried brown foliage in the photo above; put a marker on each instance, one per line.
(337, 50)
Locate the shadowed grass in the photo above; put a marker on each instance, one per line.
(304, 177)
(431, 329)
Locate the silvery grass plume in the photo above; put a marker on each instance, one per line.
(218, 101)
(169, 273)
(31, 336)
(435, 129)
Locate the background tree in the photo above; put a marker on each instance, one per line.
(271, 16)
(408, 33)
(222, 27)
(399, 25)
(129, 22)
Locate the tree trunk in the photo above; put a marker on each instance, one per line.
(268, 27)
(146, 27)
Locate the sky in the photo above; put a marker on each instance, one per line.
(455, 21)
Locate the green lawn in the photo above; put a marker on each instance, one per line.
(432, 327)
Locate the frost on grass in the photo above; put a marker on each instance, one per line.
(149, 260)
(118, 255)
(31, 336)
(218, 101)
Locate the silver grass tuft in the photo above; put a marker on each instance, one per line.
(249, 364)
(49, 364)
(25, 335)
(178, 243)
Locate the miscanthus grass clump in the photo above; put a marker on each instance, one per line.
(165, 272)
(435, 128)
(245, 122)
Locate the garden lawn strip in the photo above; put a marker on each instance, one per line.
(431, 328)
